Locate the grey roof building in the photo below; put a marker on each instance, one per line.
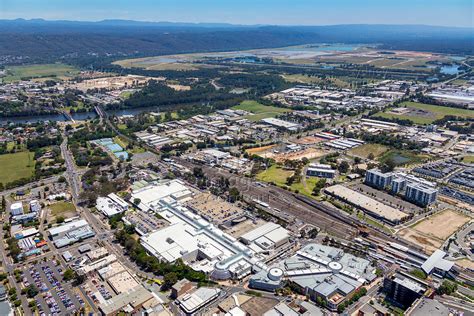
(319, 271)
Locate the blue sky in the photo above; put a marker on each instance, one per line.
(286, 12)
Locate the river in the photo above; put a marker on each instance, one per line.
(76, 116)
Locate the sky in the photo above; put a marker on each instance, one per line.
(279, 12)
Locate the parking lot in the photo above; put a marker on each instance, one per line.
(54, 297)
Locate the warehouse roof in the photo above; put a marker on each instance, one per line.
(366, 203)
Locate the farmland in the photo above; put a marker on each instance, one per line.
(16, 166)
(421, 113)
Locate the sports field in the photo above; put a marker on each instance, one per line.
(259, 111)
(16, 166)
(58, 71)
(423, 114)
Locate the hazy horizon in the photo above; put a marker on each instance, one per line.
(454, 13)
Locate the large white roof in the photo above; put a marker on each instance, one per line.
(153, 193)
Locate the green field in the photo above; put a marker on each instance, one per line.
(468, 159)
(60, 208)
(16, 73)
(433, 112)
(260, 111)
(275, 174)
(16, 166)
(308, 189)
(365, 150)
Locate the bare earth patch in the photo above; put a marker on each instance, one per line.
(434, 230)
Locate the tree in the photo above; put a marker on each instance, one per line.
(61, 179)
(169, 280)
(60, 219)
(234, 194)
(388, 165)
(418, 273)
(69, 275)
(447, 287)
(31, 291)
(343, 167)
(137, 201)
(371, 156)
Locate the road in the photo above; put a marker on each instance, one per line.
(103, 232)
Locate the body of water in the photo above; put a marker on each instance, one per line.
(450, 69)
(76, 116)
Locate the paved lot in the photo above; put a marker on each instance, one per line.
(55, 297)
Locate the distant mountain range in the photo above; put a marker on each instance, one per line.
(40, 40)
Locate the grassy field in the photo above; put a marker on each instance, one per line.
(310, 184)
(365, 150)
(16, 166)
(59, 71)
(260, 111)
(275, 174)
(433, 112)
(468, 159)
(60, 208)
(301, 78)
(401, 157)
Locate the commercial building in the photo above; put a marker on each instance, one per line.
(191, 238)
(267, 237)
(16, 209)
(404, 288)
(318, 271)
(374, 208)
(70, 233)
(128, 302)
(35, 206)
(181, 287)
(320, 170)
(96, 265)
(111, 205)
(281, 124)
(420, 194)
(426, 306)
(122, 282)
(151, 195)
(192, 302)
(56, 231)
